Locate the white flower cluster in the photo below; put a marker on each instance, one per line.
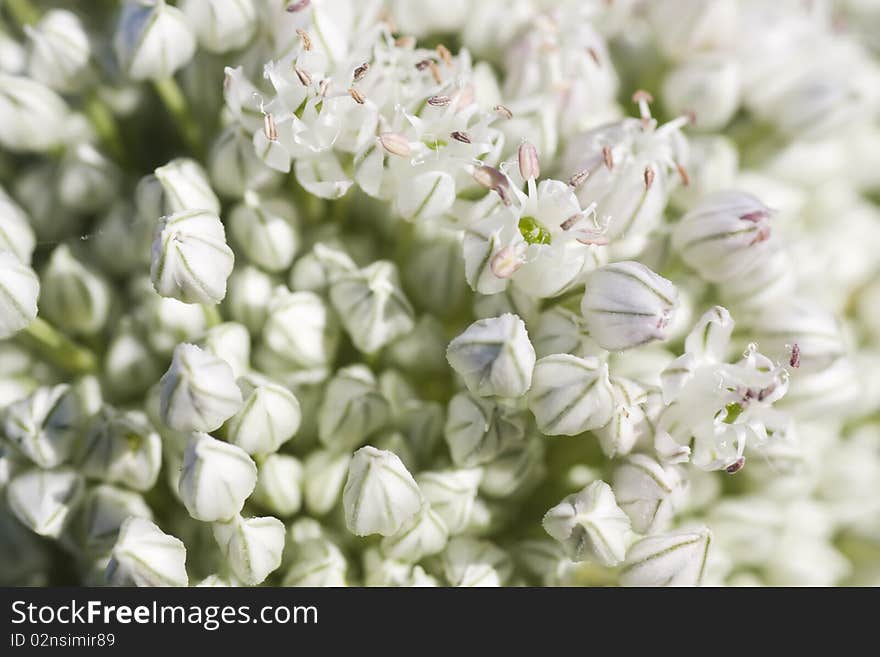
(288, 298)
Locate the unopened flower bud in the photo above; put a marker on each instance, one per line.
(221, 25)
(709, 86)
(426, 195)
(153, 39)
(628, 422)
(234, 167)
(216, 479)
(44, 426)
(44, 500)
(590, 525)
(380, 495)
(724, 235)
(424, 535)
(19, 289)
(185, 186)
(673, 559)
(231, 342)
(317, 562)
(16, 234)
(168, 322)
(266, 231)
(249, 291)
(104, 509)
(252, 546)
(451, 494)
(627, 305)
(279, 485)
(570, 395)
(470, 562)
(650, 493)
(190, 258)
(60, 50)
(494, 357)
(33, 118)
(372, 306)
(146, 556)
(324, 475)
(269, 417)
(299, 338)
(87, 180)
(122, 448)
(515, 471)
(478, 430)
(353, 408)
(73, 294)
(198, 392)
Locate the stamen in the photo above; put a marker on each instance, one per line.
(503, 111)
(527, 158)
(463, 137)
(683, 174)
(406, 42)
(577, 179)
(361, 71)
(649, 177)
(356, 95)
(304, 78)
(795, 360)
(643, 99)
(269, 127)
(323, 86)
(435, 71)
(506, 262)
(395, 143)
(736, 466)
(444, 54)
(608, 157)
(307, 41)
(423, 64)
(493, 179)
(294, 7)
(439, 101)
(594, 55)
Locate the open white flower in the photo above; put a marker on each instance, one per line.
(221, 25)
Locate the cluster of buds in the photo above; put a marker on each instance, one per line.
(377, 298)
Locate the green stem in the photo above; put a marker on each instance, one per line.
(212, 315)
(54, 346)
(175, 102)
(104, 122)
(23, 12)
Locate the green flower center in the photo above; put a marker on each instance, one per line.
(533, 231)
(734, 410)
(435, 144)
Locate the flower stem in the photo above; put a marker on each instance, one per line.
(212, 315)
(23, 12)
(175, 102)
(54, 346)
(104, 122)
